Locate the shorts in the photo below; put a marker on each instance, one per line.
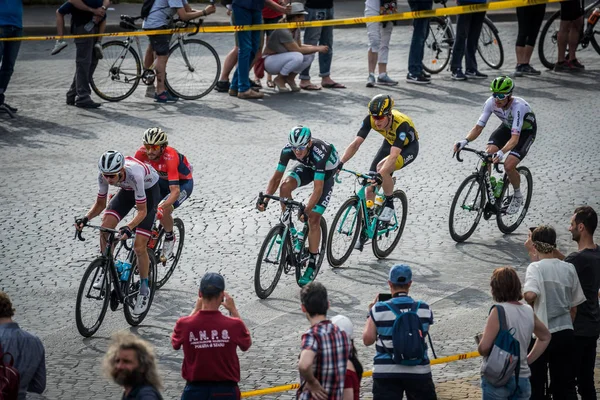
(271, 21)
(570, 10)
(408, 155)
(124, 201)
(185, 190)
(160, 43)
(211, 390)
(305, 175)
(502, 135)
(395, 388)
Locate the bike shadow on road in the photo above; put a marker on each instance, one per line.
(508, 250)
(36, 133)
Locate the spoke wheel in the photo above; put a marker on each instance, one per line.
(345, 231)
(118, 73)
(548, 45)
(388, 234)
(508, 223)
(91, 305)
(467, 208)
(322, 250)
(438, 46)
(490, 46)
(271, 260)
(166, 266)
(132, 289)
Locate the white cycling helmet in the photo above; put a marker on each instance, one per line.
(111, 162)
(299, 136)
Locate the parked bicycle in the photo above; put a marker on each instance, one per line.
(356, 219)
(439, 43)
(165, 266)
(116, 268)
(193, 70)
(548, 46)
(480, 194)
(285, 249)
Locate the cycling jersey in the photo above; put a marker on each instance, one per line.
(322, 158)
(171, 165)
(519, 116)
(400, 134)
(138, 177)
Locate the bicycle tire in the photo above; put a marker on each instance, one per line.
(544, 48)
(456, 236)
(270, 239)
(443, 46)
(378, 251)
(84, 330)
(183, 78)
(114, 73)
(298, 268)
(489, 37)
(352, 202)
(133, 286)
(504, 228)
(593, 39)
(180, 237)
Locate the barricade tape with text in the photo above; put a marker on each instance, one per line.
(472, 8)
(294, 386)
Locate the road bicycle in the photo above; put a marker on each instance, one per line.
(548, 45)
(476, 197)
(355, 219)
(117, 269)
(193, 67)
(165, 266)
(439, 43)
(284, 249)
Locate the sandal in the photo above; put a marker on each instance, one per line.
(311, 86)
(270, 84)
(333, 85)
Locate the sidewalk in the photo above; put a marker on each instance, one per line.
(41, 20)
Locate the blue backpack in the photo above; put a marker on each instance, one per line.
(408, 336)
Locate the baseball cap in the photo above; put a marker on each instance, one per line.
(344, 324)
(297, 9)
(212, 283)
(400, 274)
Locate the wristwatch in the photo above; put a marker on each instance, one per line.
(104, 8)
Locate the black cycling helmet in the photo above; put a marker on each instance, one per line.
(381, 104)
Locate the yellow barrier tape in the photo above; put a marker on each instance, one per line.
(366, 374)
(501, 5)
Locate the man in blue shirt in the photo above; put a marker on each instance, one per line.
(11, 25)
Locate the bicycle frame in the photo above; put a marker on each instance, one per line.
(483, 172)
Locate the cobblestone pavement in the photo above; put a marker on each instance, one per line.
(48, 175)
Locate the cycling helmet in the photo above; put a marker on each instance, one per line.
(154, 136)
(299, 136)
(381, 104)
(502, 84)
(111, 162)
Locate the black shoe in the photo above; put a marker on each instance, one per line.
(425, 75)
(421, 80)
(70, 101)
(475, 75)
(6, 110)
(88, 104)
(11, 109)
(529, 70)
(222, 86)
(458, 75)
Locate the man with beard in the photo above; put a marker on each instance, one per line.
(131, 363)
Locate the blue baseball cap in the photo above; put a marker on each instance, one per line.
(400, 274)
(212, 283)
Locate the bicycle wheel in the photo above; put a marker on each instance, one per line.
(166, 266)
(438, 46)
(469, 201)
(132, 289)
(548, 45)
(118, 74)
(490, 46)
(388, 234)
(90, 314)
(508, 223)
(349, 217)
(193, 69)
(322, 251)
(271, 260)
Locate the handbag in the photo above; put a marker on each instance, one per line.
(259, 68)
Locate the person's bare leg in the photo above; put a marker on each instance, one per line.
(229, 64)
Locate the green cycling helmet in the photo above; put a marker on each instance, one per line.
(299, 136)
(502, 84)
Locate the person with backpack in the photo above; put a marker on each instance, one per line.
(509, 327)
(401, 364)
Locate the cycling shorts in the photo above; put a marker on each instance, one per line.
(408, 155)
(185, 190)
(502, 135)
(305, 175)
(124, 201)
(570, 10)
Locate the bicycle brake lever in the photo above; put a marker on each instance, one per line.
(457, 154)
(78, 236)
(497, 167)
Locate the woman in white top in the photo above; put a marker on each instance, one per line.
(506, 291)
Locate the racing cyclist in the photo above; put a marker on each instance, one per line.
(139, 187)
(176, 183)
(318, 164)
(512, 139)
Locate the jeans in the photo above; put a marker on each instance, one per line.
(468, 29)
(8, 55)
(506, 392)
(585, 360)
(85, 65)
(322, 36)
(420, 33)
(248, 42)
(207, 391)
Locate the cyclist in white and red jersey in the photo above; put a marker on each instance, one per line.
(176, 183)
(139, 187)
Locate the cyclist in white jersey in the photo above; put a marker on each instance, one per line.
(512, 139)
(139, 187)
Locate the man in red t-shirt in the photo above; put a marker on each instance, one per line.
(210, 363)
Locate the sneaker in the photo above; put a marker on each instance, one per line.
(308, 277)
(10, 108)
(99, 281)
(58, 47)
(515, 205)
(425, 75)
(384, 79)
(529, 70)
(223, 86)
(371, 80)
(475, 75)
(562, 66)
(168, 246)
(98, 51)
(458, 75)
(410, 78)
(141, 304)
(576, 65)
(519, 70)
(165, 97)
(150, 91)
(233, 92)
(386, 215)
(250, 95)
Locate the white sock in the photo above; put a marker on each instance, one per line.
(382, 74)
(518, 193)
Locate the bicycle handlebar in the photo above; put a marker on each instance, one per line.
(284, 200)
(99, 228)
(367, 179)
(482, 154)
(128, 22)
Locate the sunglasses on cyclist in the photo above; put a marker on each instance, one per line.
(379, 117)
(500, 96)
(110, 176)
(152, 146)
(299, 148)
